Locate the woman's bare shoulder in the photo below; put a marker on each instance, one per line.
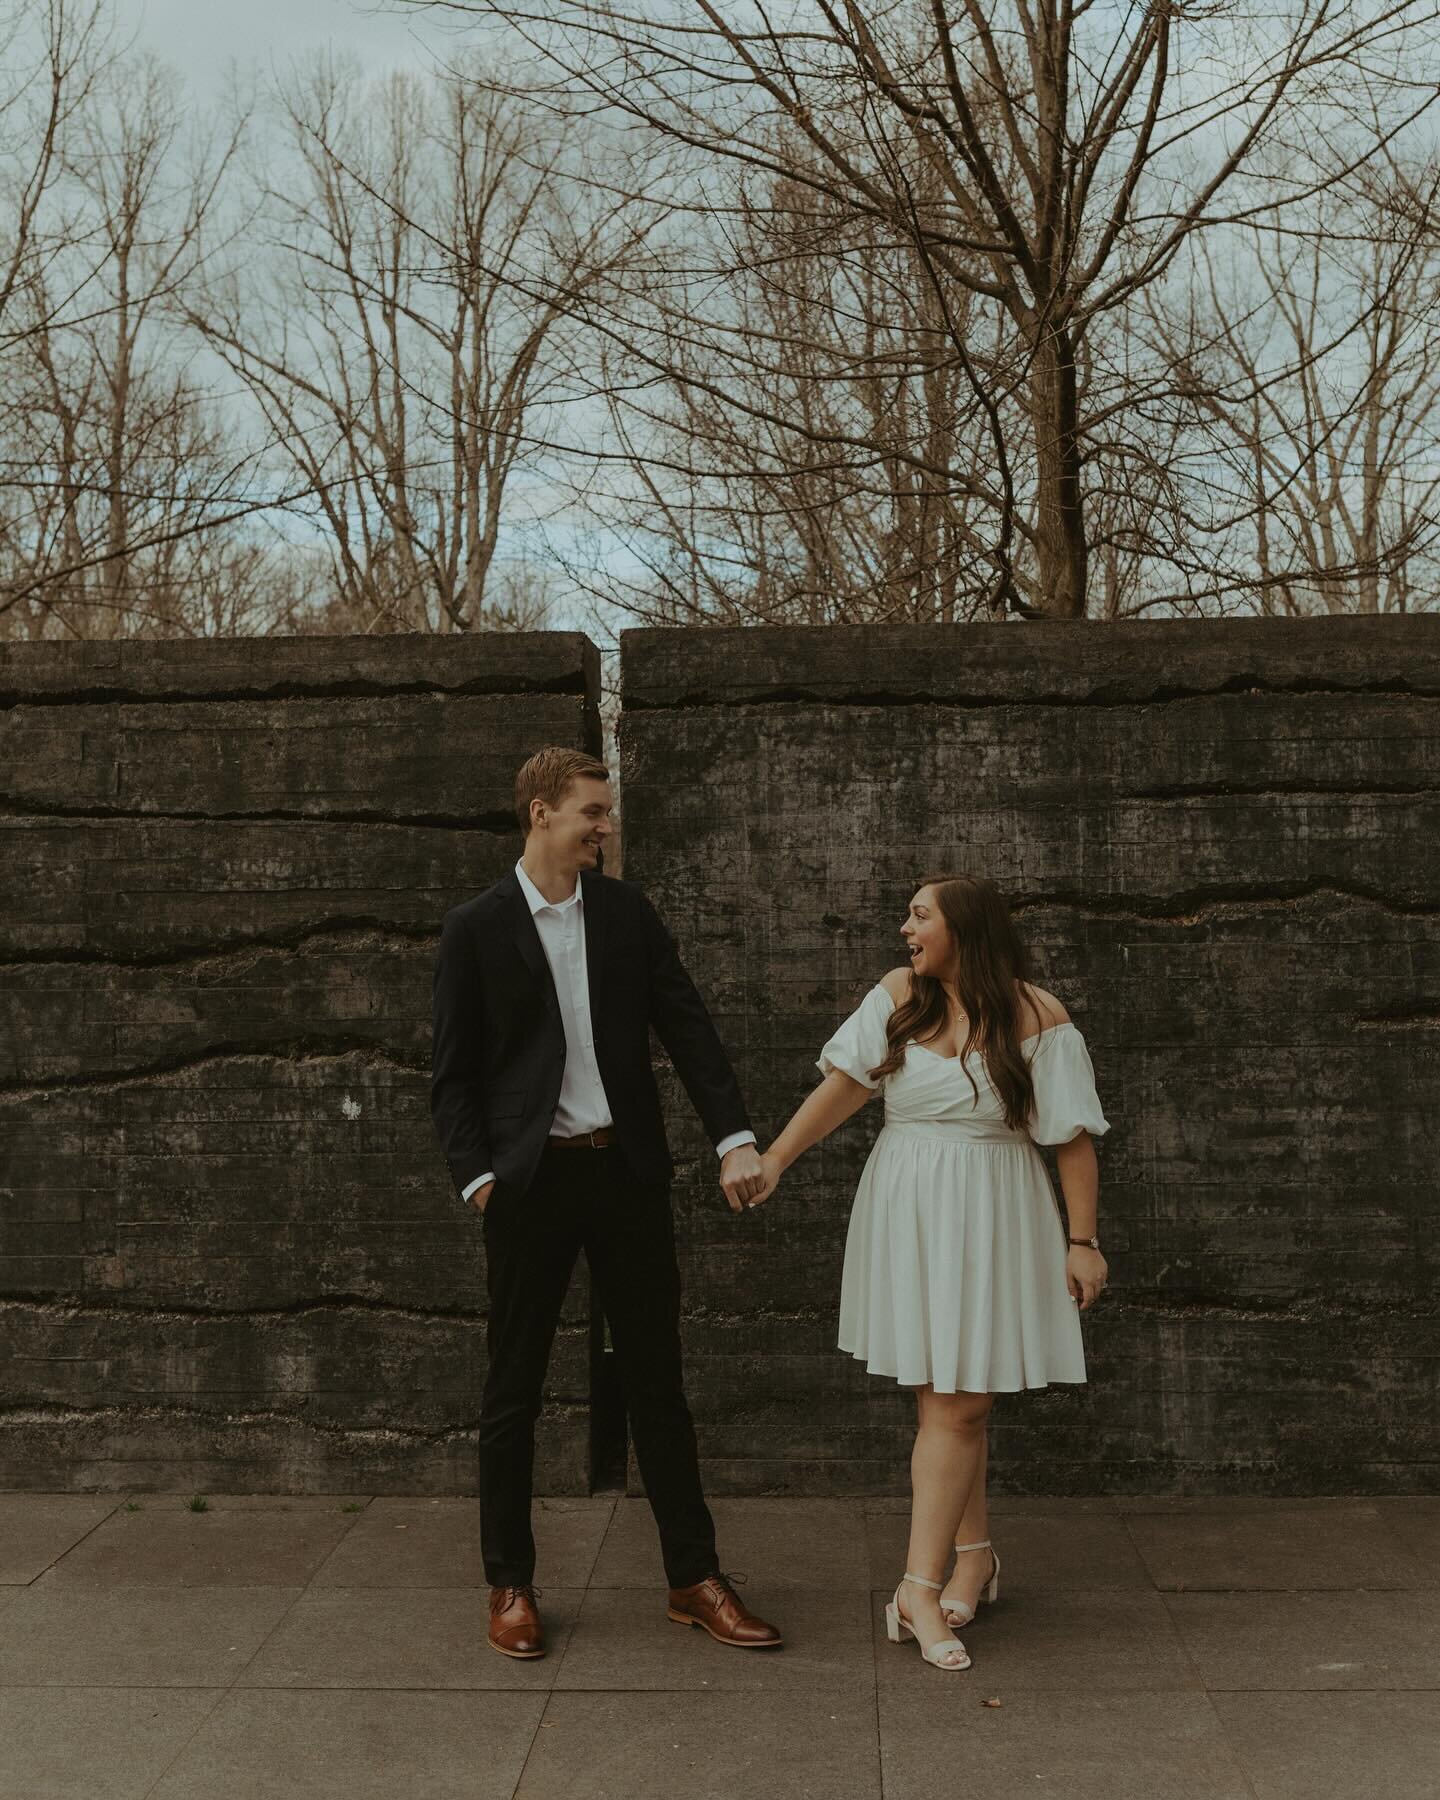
(896, 983)
(1043, 1008)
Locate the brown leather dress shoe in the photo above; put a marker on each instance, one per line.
(715, 1607)
(515, 1628)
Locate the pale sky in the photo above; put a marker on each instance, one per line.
(202, 37)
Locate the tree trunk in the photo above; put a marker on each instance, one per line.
(1061, 551)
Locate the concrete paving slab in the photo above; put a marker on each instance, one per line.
(1095, 1639)
(253, 1502)
(399, 1638)
(1283, 1547)
(1129, 1746)
(1236, 1504)
(58, 1635)
(1308, 1641)
(260, 1745)
(94, 1743)
(1295, 1746)
(776, 1544)
(1040, 1548)
(37, 1529)
(1416, 1524)
(436, 1543)
(704, 1746)
(623, 1639)
(168, 1545)
(1010, 1506)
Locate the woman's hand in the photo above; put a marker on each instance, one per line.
(1085, 1274)
(772, 1169)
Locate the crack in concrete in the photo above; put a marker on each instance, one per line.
(344, 933)
(1303, 1309)
(1422, 1016)
(764, 696)
(1200, 904)
(14, 807)
(12, 699)
(30, 1306)
(215, 1418)
(1273, 790)
(295, 1052)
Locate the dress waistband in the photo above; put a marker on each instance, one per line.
(954, 1131)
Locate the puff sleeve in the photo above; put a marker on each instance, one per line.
(1066, 1102)
(860, 1042)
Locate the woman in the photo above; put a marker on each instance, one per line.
(958, 1281)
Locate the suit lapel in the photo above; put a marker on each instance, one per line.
(595, 899)
(520, 923)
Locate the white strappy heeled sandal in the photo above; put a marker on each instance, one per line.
(956, 1612)
(898, 1628)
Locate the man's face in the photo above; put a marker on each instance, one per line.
(575, 829)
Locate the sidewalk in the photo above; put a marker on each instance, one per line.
(304, 1649)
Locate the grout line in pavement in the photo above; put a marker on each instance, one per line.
(223, 1693)
(56, 1561)
(530, 1747)
(344, 1537)
(1213, 1710)
(875, 1699)
(550, 1692)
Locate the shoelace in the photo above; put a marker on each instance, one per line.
(509, 1595)
(727, 1583)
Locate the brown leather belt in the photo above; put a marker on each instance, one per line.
(600, 1139)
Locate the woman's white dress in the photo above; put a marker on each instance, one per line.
(955, 1259)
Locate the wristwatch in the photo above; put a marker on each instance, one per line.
(1089, 1243)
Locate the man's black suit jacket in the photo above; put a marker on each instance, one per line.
(499, 1046)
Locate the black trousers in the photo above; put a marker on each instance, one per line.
(587, 1199)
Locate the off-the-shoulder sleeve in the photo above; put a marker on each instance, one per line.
(860, 1042)
(1066, 1102)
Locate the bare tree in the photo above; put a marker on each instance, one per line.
(53, 54)
(123, 479)
(1069, 154)
(831, 323)
(408, 338)
(1312, 351)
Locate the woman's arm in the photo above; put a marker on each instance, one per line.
(1079, 1170)
(837, 1098)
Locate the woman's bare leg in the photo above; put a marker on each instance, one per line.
(948, 1453)
(972, 1567)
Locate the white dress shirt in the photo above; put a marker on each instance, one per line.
(582, 1106)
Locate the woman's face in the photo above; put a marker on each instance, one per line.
(927, 937)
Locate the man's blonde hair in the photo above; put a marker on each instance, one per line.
(547, 776)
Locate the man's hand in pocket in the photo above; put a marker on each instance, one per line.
(480, 1199)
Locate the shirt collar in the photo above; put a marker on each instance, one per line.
(536, 901)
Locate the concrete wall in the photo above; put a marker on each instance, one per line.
(1220, 839)
(230, 1256)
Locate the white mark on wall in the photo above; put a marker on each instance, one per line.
(350, 1108)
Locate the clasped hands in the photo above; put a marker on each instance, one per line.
(747, 1177)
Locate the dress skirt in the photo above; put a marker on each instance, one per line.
(955, 1265)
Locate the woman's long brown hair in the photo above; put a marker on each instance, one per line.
(990, 963)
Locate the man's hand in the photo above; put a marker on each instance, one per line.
(481, 1197)
(741, 1176)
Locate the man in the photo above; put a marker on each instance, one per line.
(546, 1107)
